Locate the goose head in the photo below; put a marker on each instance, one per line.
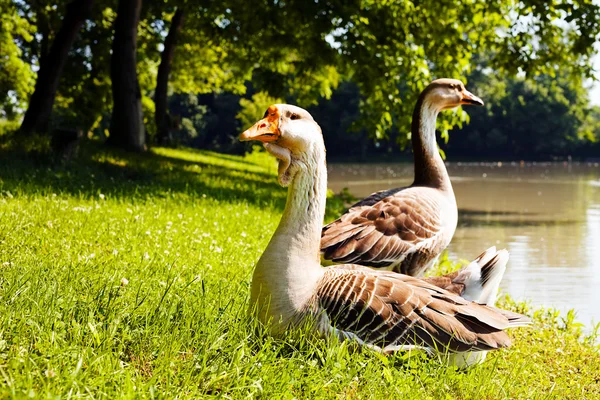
(291, 135)
(445, 94)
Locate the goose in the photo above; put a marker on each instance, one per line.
(405, 229)
(382, 310)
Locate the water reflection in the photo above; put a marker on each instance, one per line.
(546, 215)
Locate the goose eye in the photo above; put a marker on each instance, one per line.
(294, 117)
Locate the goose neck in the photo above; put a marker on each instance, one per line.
(429, 166)
(290, 266)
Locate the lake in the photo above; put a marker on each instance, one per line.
(546, 214)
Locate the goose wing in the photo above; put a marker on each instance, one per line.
(389, 228)
(376, 197)
(447, 282)
(390, 311)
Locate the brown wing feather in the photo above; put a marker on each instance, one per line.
(386, 228)
(386, 309)
(447, 282)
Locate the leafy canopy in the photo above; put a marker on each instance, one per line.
(300, 51)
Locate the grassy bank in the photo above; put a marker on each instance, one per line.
(128, 276)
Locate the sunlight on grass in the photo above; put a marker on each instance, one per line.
(128, 276)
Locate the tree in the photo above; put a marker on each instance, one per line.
(83, 93)
(162, 79)
(127, 126)
(52, 65)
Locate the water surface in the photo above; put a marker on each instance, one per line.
(547, 216)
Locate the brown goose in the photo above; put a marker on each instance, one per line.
(405, 229)
(382, 310)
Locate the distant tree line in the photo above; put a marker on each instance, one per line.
(137, 72)
(542, 118)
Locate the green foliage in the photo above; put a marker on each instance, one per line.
(16, 76)
(148, 111)
(338, 203)
(8, 127)
(127, 276)
(548, 37)
(539, 117)
(445, 265)
(393, 49)
(301, 51)
(201, 65)
(186, 109)
(36, 147)
(590, 128)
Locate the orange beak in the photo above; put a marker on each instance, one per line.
(469, 98)
(266, 130)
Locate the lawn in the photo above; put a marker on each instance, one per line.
(127, 276)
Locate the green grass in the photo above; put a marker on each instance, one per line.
(184, 228)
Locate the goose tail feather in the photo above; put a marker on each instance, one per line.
(482, 277)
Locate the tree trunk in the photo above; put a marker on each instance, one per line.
(52, 65)
(162, 79)
(126, 126)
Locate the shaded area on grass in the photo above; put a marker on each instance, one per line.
(158, 173)
(161, 172)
